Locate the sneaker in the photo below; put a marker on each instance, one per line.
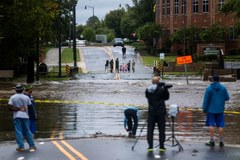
(221, 144)
(150, 150)
(210, 143)
(162, 149)
(20, 149)
(32, 149)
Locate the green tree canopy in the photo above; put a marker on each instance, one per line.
(213, 34)
(23, 23)
(109, 32)
(143, 11)
(233, 7)
(113, 21)
(188, 35)
(88, 34)
(128, 24)
(150, 33)
(93, 22)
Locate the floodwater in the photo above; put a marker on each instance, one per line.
(92, 120)
(94, 107)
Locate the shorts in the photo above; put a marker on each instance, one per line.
(215, 119)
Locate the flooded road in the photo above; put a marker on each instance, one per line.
(90, 108)
(93, 104)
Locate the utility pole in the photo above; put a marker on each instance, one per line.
(59, 42)
(74, 36)
(184, 7)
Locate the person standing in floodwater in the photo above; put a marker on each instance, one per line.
(111, 66)
(133, 66)
(107, 66)
(117, 65)
(124, 51)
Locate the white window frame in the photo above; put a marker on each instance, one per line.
(195, 6)
(163, 7)
(220, 4)
(176, 7)
(168, 7)
(184, 6)
(205, 6)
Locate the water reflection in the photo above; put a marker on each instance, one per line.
(76, 121)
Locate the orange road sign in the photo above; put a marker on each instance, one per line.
(184, 60)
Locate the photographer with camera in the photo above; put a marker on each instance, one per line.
(157, 94)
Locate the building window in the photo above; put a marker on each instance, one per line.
(175, 7)
(220, 4)
(183, 6)
(232, 34)
(195, 6)
(163, 7)
(205, 6)
(168, 7)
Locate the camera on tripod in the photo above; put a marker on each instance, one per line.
(173, 110)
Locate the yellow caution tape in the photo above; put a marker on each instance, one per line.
(116, 104)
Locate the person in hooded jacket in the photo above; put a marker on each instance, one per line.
(156, 94)
(214, 105)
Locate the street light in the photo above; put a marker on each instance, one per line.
(90, 7)
(126, 5)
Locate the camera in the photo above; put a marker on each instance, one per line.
(173, 110)
(167, 86)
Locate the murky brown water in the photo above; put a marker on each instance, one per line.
(89, 120)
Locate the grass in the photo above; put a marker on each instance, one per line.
(54, 73)
(149, 60)
(67, 55)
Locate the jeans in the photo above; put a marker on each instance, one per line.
(22, 130)
(131, 115)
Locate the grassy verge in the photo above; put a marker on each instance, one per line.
(53, 74)
(67, 55)
(149, 60)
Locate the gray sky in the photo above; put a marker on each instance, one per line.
(101, 8)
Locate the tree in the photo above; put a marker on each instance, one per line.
(143, 11)
(213, 34)
(188, 35)
(79, 30)
(150, 33)
(233, 7)
(109, 32)
(93, 22)
(88, 34)
(128, 24)
(27, 27)
(113, 21)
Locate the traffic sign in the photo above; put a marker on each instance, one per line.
(184, 60)
(162, 55)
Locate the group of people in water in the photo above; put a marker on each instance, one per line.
(115, 66)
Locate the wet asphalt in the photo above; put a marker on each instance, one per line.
(117, 149)
(99, 146)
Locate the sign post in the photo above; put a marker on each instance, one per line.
(162, 56)
(185, 60)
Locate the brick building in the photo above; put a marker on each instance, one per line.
(175, 14)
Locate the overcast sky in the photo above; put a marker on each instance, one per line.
(101, 8)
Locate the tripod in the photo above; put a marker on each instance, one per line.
(139, 135)
(174, 139)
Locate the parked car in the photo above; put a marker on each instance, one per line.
(118, 42)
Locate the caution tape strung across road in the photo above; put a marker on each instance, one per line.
(116, 104)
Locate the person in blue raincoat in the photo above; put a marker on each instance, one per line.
(214, 105)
